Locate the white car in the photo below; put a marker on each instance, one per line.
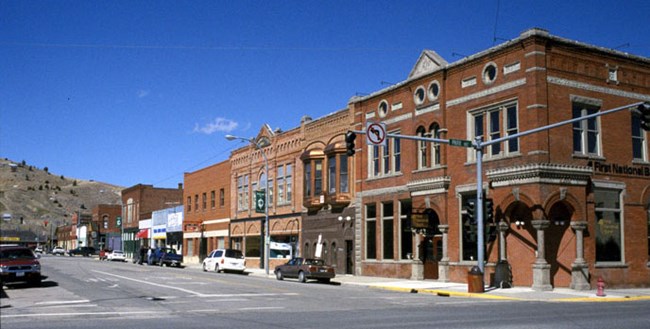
(225, 260)
(116, 255)
(58, 251)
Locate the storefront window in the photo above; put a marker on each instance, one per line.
(609, 247)
(371, 230)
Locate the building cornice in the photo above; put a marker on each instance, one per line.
(434, 185)
(540, 173)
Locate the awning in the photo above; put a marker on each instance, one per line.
(143, 234)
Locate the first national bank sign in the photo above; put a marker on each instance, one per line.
(614, 168)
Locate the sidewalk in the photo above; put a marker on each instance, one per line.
(453, 289)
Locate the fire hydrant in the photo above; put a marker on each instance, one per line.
(601, 287)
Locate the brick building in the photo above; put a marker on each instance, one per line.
(207, 211)
(328, 191)
(107, 232)
(248, 175)
(571, 203)
(138, 203)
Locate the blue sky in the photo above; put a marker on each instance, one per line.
(129, 92)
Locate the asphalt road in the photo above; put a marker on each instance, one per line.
(86, 293)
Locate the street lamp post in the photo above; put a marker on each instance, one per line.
(267, 238)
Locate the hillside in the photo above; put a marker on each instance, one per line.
(37, 196)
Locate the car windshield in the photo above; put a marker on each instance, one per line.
(17, 254)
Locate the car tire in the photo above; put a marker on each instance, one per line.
(205, 269)
(216, 268)
(161, 263)
(301, 277)
(278, 275)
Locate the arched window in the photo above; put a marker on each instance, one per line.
(434, 131)
(422, 149)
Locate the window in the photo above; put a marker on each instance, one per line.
(586, 137)
(189, 203)
(242, 192)
(344, 177)
(382, 109)
(284, 184)
(647, 211)
(308, 179)
(418, 96)
(374, 165)
(213, 199)
(387, 229)
(371, 231)
(331, 174)
(397, 154)
(129, 210)
(422, 148)
(385, 160)
(287, 180)
(318, 177)
(406, 236)
(434, 131)
(252, 246)
(496, 122)
(609, 230)
(434, 90)
(639, 142)
(196, 202)
(204, 200)
(222, 197)
(489, 73)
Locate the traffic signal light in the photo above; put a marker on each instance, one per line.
(471, 208)
(644, 114)
(489, 210)
(350, 136)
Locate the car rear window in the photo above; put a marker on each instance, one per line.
(17, 254)
(317, 262)
(231, 253)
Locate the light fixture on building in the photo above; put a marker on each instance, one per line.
(519, 223)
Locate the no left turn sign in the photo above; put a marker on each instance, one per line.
(376, 133)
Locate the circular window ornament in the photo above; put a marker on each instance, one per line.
(434, 90)
(419, 95)
(489, 73)
(382, 109)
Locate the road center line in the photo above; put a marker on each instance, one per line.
(152, 283)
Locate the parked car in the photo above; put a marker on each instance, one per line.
(19, 264)
(116, 255)
(225, 260)
(165, 256)
(84, 251)
(58, 251)
(38, 250)
(304, 269)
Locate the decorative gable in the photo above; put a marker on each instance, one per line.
(428, 62)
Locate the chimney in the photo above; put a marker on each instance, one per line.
(180, 186)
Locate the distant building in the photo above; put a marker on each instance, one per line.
(138, 203)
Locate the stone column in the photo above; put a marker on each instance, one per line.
(443, 265)
(417, 269)
(503, 228)
(579, 268)
(541, 268)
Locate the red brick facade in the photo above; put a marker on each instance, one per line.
(282, 150)
(207, 210)
(545, 186)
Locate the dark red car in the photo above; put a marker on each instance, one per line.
(304, 269)
(19, 264)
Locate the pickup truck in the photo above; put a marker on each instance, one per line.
(165, 256)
